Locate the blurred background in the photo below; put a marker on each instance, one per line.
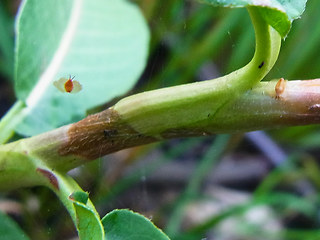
(250, 186)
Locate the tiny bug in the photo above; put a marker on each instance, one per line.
(68, 85)
(261, 65)
(279, 88)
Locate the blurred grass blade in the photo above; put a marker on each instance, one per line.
(211, 157)
(9, 230)
(6, 43)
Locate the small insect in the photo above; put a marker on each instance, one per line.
(279, 88)
(68, 85)
(261, 65)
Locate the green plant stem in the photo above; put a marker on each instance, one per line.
(242, 48)
(67, 186)
(202, 170)
(97, 135)
(10, 120)
(224, 105)
(20, 169)
(186, 110)
(192, 106)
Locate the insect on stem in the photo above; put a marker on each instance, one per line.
(280, 87)
(261, 65)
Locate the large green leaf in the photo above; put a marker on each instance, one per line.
(102, 43)
(127, 225)
(88, 224)
(278, 13)
(9, 230)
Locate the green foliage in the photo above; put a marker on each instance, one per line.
(9, 230)
(58, 39)
(88, 224)
(124, 225)
(6, 43)
(79, 196)
(188, 56)
(279, 14)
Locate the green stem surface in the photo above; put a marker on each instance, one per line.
(173, 110)
(237, 102)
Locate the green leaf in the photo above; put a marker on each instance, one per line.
(102, 43)
(9, 230)
(85, 217)
(79, 196)
(126, 225)
(88, 224)
(278, 13)
(21, 169)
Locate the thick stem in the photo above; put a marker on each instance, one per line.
(273, 104)
(224, 105)
(186, 110)
(193, 106)
(268, 105)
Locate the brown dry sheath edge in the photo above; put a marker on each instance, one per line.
(104, 133)
(100, 134)
(50, 176)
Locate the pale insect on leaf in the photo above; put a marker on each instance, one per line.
(67, 85)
